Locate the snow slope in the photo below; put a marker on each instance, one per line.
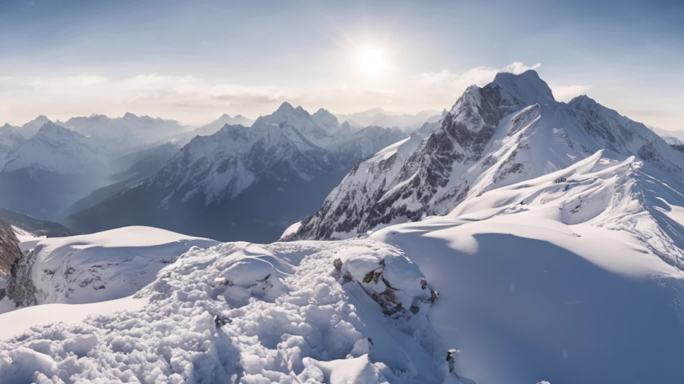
(21, 320)
(96, 267)
(571, 277)
(508, 131)
(285, 312)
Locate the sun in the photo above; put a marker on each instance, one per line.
(371, 61)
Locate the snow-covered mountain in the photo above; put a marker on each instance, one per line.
(244, 183)
(36, 227)
(128, 171)
(559, 277)
(225, 119)
(32, 127)
(379, 117)
(508, 131)
(10, 140)
(127, 132)
(56, 149)
(44, 174)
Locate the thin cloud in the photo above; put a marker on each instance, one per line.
(474, 76)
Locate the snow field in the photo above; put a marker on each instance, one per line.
(300, 323)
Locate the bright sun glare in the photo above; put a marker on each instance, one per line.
(371, 61)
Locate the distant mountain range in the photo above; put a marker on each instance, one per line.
(380, 117)
(243, 183)
(225, 179)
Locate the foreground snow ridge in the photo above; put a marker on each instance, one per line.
(284, 312)
(96, 267)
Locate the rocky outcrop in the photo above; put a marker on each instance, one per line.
(9, 253)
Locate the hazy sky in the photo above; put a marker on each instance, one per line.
(193, 60)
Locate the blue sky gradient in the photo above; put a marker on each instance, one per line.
(193, 60)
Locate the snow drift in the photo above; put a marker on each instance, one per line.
(295, 320)
(570, 277)
(96, 267)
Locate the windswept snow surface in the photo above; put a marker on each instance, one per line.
(284, 312)
(100, 266)
(19, 321)
(571, 277)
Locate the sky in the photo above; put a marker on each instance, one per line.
(194, 60)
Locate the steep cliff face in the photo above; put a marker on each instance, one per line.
(9, 253)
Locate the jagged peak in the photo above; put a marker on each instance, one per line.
(583, 100)
(285, 107)
(51, 129)
(322, 111)
(324, 117)
(40, 119)
(287, 111)
(527, 87)
(95, 116)
(227, 127)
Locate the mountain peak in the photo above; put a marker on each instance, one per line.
(527, 87)
(286, 112)
(54, 133)
(39, 120)
(285, 107)
(326, 119)
(583, 100)
(50, 128)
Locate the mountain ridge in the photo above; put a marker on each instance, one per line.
(507, 131)
(289, 159)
